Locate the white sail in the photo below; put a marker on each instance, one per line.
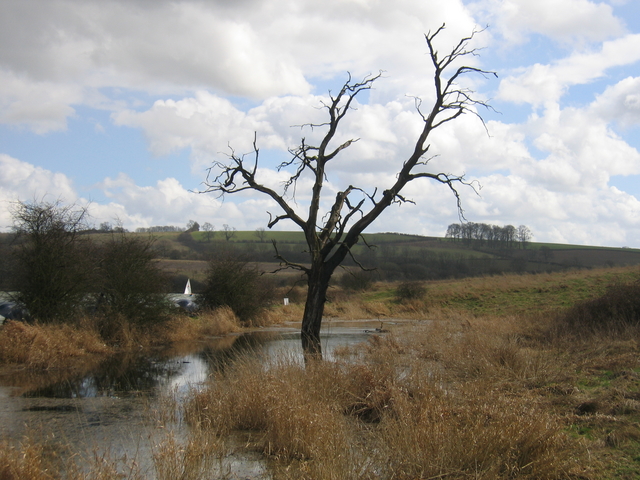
(187, 289)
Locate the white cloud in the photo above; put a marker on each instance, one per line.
(166, 203)
(21, 181)
(169, 203)
(544, 84)
(620, 103)
(197, 122)
(257, 49)
(568, 21)
(225, 70)
(583, 152)
(41, 106)
(595, 217)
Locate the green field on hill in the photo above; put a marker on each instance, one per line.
(389, 256)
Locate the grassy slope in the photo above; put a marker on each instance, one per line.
(568, 255)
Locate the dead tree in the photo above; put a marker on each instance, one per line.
(331, 235)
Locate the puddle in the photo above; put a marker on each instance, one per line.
(117, 407)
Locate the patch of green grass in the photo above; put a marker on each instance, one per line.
(578, 431)
(596, 381)
(378, 295)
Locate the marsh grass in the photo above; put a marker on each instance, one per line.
(196, 457)
(220, 321)
(26, 461)
(489, 388)
(47, 346)
(199, 456)
(60, 346)
(391, 410)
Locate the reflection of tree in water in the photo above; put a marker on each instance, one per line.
(124, 374)
(245, 346)
(131, 374)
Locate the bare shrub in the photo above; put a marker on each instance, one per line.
(615, 312)
(238, 285)
(131, 284)
(410, 291)
(359, 280)
(54, 264)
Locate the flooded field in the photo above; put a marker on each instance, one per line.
(121, 408)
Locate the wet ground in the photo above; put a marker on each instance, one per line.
(120, 408)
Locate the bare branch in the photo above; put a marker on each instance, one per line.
(287, 264)
(330, 236)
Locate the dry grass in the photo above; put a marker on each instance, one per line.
(28, 461)
(503, 394)
(480, 391)
(47, 346)
(209, 323)
(279, 314)
(439, 402)
(197, 457)
(193, 458)
(59, 346)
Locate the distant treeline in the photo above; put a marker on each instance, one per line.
(493, 236)
(159, 229)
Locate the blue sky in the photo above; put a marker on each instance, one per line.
(123, 105)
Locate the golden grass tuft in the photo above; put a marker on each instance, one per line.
(279, 314)
(193, 458)
(198, 456)
(273, 401)
(220, 321)
(47, 346)
(25, 462)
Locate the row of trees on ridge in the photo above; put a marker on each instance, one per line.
(493, 236)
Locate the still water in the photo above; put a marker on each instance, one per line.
(118, 408)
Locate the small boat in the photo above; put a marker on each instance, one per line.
(187, 288)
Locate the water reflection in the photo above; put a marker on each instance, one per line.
(135, 375)
(115, 405)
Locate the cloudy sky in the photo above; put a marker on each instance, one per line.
(123, 105)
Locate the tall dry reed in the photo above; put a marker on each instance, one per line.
(47, 346)
(199, 456)
(399, 407)
(25, 462)
(220, 321)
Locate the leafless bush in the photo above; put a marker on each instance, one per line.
(615, 312)
(237, 284)
(410, 291)
(129, 281)
(54, 264)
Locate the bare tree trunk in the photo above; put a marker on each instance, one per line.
(318, 283)
(330, 235)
